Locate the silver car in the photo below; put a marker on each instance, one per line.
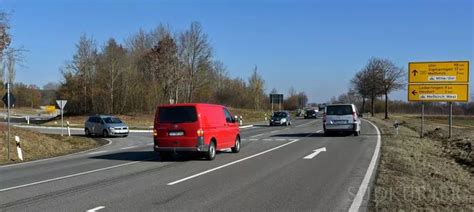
(341, 118)
(280, 118)
(105, 126)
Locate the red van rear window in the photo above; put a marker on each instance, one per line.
(180, 114)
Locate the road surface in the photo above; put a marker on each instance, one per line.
(291, 168)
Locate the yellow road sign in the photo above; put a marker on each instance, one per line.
(438, 92)
(438, 72)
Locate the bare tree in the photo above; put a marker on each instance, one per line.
(195, 54)
(5, 38)
(374, 80)
(360, 86)
(393, 79)
(83, 65)
(256, 88)
(112, 67)
(164, 62)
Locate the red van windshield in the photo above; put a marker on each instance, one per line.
(177, 114)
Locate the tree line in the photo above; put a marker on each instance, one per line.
(152, 68)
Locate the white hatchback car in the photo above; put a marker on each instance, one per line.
(341, 118)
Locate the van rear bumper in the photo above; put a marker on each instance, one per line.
(340, 127)
(200, 147)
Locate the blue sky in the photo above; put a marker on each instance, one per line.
(314, 46)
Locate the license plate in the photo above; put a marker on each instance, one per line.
(340, 121)
(179, 133)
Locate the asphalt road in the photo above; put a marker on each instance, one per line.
(277, 169)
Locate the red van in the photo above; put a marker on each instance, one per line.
(193, 127)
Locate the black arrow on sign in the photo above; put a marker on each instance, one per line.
(415, 72)
(414, 92)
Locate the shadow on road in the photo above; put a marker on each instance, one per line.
(150, 156)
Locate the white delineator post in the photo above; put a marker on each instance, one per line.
(18, 147)
(240, 121)
(68, 129)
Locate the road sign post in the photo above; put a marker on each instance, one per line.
(62, 104)
(276, 99)
(422, 118)
(445, 81)
(450, 119)
(8, 102)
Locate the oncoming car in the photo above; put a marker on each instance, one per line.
(280, 118)
(105, 126)
(311, 114)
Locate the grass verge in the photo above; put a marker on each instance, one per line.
(38, 146)
(145, 121)
(422, 174)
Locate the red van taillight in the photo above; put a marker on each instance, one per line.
(200, 132)
(155, 132)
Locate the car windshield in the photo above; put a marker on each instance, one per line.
(280, 114)
(310, 112)
(177, 114)
(339, 110)
(112, 120)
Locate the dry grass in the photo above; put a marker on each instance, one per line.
(23, 111)
(36, 145)
(421, 174)
(250, 116)
(145, 121)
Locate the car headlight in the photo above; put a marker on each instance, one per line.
(283, 120)
(112, 129)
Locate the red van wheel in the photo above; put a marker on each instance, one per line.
(211, 153)
(236, 147)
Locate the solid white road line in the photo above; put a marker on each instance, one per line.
(231, 163)
(319, 131)
(98, 152)
(280, 139)
(355, 206)
(315, 152)
(245, 126)
(96, 209)
(129, 147)
(267, 139)
(69, 176)
(258, 135)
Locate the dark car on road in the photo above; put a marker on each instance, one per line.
(105, 126)
(311, 114)
(280, 118)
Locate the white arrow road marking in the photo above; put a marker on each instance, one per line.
(316, 152)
